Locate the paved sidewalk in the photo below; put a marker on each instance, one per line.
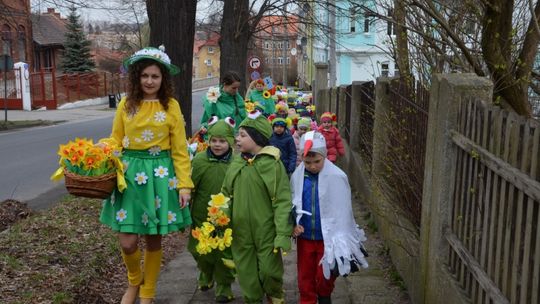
(74, 114)
(178, 284)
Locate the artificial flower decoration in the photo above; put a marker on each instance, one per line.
(250, 107)
(214, 233)
(267, 94)
(213, 94)
(82, 157)
(157, 54)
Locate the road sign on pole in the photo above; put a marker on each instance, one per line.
(255, 75)
(254, 62)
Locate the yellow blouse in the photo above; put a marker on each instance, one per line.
(154, 129)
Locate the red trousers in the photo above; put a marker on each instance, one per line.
(311, 281)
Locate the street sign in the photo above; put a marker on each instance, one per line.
(254, 62)
(255, 75)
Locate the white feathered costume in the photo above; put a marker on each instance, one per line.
(342, 236)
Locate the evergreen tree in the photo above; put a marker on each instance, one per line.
(76, 56)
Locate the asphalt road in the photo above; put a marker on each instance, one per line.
(28, 157)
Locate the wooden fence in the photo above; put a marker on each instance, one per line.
(493, 233)
(406, 136)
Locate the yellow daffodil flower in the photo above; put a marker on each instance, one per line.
(219, 200)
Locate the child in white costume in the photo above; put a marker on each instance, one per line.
(329, 240)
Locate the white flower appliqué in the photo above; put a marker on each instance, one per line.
(121, 215)
(125, 165)
(141, 178)
(125, 142)
(161, 172)
(157, 202)
(171, 217)
(147, 135)
(144, 219)
(160, 116)
(213, 94)
(154, 150)
(173, 182)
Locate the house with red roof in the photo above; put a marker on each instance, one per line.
(206, 53)
(275, 43)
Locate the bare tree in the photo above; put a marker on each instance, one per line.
(172, 23)
(495, 38)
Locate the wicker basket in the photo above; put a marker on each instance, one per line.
(90, 186)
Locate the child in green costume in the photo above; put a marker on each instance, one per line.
(209, 169)
(224, 101)
(258, 186)
(264, 98)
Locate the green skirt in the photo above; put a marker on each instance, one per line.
(149, 204)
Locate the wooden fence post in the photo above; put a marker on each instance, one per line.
(341, 112)
(447, 92)
(355, 115)
(380, 134)
(321, 83)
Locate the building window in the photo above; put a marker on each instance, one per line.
(280, 45)
(22, 43)
(209, 74)
(210, 50)
(367, 22)
(352, 20)
(267, 45)
(287, 45)
(208, 61)
(47, 59)
(288, 60)
(384, 69)
(266, 60)
(6, 38)
(280, 60)
(391, 27)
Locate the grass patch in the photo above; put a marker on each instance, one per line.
(64, 255)
(19, 124)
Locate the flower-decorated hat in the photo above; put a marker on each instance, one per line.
(258, 122)
(282, 106)
(313, 141)
(328, 116)
(222, 128)
(304, 122)
(157, 54)
(279, 122)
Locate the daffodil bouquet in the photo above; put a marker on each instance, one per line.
(90, 170)
(82, 157)
(214, 233)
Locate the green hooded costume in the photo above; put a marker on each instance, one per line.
(207, 175)
(226, 105)
(268, 104)
(261, 205)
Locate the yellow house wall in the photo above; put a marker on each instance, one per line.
(202, 69)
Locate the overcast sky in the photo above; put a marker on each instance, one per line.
(110, 14)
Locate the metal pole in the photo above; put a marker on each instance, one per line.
(5, 91)
(285, 41)
(273, 53)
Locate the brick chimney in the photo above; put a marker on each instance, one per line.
(52, 11)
